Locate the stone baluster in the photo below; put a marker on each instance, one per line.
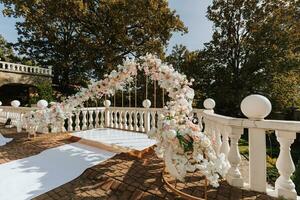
(256, 108)
(125, 120)
(91, 119)
(130, 120)
(146, 127)
(136, 127)
(142, 128)
(225, 140)
(107, 113)
(199, 120)
(112, 118)
(153, 121)
(121, 119)
(97, 124)
(116, 125)
(234, 177)
(218, 140)
(70, 123)
(77, 120)
(284, 186)
(84, 120)
(102, 119)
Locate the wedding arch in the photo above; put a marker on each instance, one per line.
(180, 142)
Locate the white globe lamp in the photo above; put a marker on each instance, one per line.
(107, 103)
(256, 107)
(42, 104)
(146, 103)
(15, 103)
(209, 104)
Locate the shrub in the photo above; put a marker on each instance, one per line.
(44, 91)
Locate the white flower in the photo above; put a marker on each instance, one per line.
(205, 142)
(171, 134)
(152, 132)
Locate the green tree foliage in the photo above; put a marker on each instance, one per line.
(255, 44)
(285, 90)
(194, 65)
(44, 91)
(81, 39)
(6, 51)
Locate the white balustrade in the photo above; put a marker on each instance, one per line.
(25, 69)
(225, 133)
(256, 108)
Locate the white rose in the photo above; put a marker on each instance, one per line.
(172, 113)
(171, 134)
(205, 142)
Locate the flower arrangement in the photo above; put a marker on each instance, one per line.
(180, 142)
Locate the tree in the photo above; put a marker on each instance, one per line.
(86, 38)
(6, 51)
(194, 65)
(252, 42)
(285, 90)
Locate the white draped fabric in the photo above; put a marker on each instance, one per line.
(30, 177)
(4, 140)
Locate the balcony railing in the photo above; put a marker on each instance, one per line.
(25, 69)
(225, 133)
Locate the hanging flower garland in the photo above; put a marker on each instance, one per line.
(180, 142)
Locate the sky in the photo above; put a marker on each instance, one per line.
(191, 12)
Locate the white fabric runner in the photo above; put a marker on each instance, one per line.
(4, 140)
(32, 176)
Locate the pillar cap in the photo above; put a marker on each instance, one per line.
(15, 103)
(209, 104)
(256, 107)
(42, 104)
(107, 103)
(146, 103)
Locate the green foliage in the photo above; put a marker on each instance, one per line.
(296, 177)
(6, 51)
(44, 91)
(254, 49)
(187, 144)
(84, 39)
(272, 172)
(285, 90)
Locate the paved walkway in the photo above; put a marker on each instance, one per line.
(121, 177)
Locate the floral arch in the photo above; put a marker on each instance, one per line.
(180, 142)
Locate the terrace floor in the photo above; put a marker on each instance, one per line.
(121, 177)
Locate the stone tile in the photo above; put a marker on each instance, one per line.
(119, 178)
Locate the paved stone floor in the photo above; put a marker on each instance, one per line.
(119, 178)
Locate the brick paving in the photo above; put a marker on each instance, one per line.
(119, 178)
(22, 147)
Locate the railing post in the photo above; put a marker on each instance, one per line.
(107, 103)
(234, 177)
(147, 104)
(284, 186)
(256, 108)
